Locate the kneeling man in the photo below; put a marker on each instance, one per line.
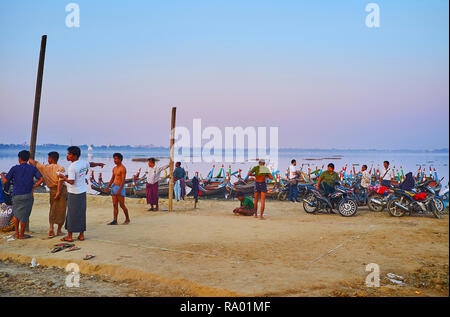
(246, 208)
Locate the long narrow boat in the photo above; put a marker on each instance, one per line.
(249, 189)
(214, 191)
(163, 191)
(133, 187)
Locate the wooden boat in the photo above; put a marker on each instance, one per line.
(163, 191)
(127, 180)
(214, 192)
(129, 191)
(241, 189)
(249, 189)
(133, 188)
(211, 191)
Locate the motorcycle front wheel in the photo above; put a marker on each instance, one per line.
(347, 208)
(282, 196)
(311, 204)
(394, 210)
(435, 210)
(439, 203)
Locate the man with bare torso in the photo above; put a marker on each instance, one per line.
(260, 172)
(117, 184)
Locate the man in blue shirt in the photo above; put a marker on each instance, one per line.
(22, 176)
(179, 174)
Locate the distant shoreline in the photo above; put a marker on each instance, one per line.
(84, 147)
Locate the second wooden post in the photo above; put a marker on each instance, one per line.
(172, 141)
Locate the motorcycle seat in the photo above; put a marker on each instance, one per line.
(420, 196)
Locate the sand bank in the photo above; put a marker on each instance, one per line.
(211, 252)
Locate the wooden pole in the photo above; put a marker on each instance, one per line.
(172, 140)
(37, 104)
(37, 97)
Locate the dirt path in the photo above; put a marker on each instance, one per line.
(211, 252)
(18, 279)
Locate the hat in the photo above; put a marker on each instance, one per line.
(262, 161)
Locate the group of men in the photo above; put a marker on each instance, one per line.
(326, 182)
(327, 179)
(248, 208)
(68, 192)
(154, 175)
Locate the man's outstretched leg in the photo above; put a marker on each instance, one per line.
(116, 210)
(256, 204)
(263, 203)
(121, 200)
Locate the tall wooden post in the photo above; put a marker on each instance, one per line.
(172, 140)
(37, 104)
(37, 97)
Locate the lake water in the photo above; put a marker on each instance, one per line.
(409, 161)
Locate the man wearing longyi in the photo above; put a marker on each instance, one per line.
(76, 188)
(118, 189)
(153, 176)
(23, 176)
(260, 172)
(58, 192)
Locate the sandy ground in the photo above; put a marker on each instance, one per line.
(211, 252)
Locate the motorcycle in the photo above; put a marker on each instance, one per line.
(303, 189)
(341, 199)
(360, 194)
(283, 194)
(439, 198)
(444, 195)
(419, 201)
(378, 198)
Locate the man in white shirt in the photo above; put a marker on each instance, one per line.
(366, 178)
(366, 181)
(151, 188)
(293, 173)
(386, 175)
(76, 189)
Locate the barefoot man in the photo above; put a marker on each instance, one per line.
(260, 172)
(22, 176)
(153, 176)
(76, 197)
(118, 189)
(58, 192)
(247, 207)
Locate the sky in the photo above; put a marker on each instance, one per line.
(311, 68)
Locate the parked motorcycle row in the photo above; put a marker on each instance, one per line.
(423, 199)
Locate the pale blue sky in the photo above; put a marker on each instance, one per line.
(312, 68)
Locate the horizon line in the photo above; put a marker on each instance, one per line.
(151, 146)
